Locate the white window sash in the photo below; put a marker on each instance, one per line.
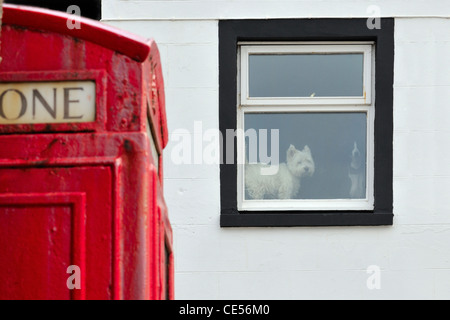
(306, 204)
(324, 48)
(304, 105)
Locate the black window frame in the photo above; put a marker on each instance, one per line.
(233, 31)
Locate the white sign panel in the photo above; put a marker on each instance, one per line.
(47, 102)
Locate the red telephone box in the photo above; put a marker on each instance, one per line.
(82, 129)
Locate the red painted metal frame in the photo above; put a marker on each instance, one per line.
(155, 102)
(106, 36)
(77, 202)
(128, 226)
(130, 92)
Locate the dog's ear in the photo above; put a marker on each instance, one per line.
(291, 151)
(306, 149)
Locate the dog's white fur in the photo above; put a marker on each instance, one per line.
(356, 174)
(285, 184)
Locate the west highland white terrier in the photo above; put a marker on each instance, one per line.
(356, 174)
(285, 184)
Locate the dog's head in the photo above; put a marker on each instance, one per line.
(300, 163)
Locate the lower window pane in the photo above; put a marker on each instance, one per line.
(319, 155)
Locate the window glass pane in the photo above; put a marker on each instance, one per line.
(320, 156)
(167, 271)
(306, 75)
(155, 152)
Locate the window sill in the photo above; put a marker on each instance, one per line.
(305, 219)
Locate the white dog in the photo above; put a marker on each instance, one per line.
(285, 184)
(356, 174)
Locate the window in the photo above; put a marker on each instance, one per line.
(155, 153)
(315, 101)
(312, 120)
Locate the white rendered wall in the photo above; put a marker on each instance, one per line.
(260, 9)
(307, 263)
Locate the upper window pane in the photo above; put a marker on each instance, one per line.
(306, 75)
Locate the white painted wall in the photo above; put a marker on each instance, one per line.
(312, 263)
(248, 9)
